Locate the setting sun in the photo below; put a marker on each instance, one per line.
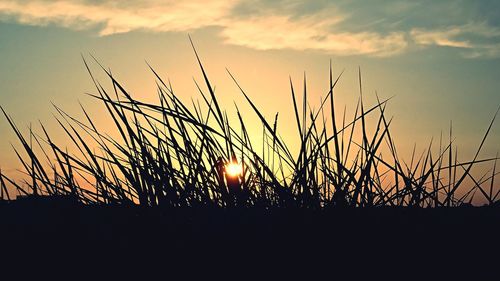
(234, 169)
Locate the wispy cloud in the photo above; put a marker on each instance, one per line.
(476, 39)
(379, 29)
(443, 38)
(120, 16)
(265, 31)
(281, 32)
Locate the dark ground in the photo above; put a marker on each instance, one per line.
(49, 239)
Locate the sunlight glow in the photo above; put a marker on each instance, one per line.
(234, 169)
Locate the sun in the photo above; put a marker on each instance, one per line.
(234, 169)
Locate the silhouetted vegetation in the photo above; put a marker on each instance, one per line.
(163, 201)
(172, 154)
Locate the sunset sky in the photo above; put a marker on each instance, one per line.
(439, 59)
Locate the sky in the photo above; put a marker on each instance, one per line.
(439, 59)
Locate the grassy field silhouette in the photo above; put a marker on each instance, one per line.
(184, 181)
(173, 155)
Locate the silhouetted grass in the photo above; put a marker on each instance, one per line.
(173, 154)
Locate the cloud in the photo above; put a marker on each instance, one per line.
(444, 38)
(474, 39)
(309, 33)
(372, 30)
(267, 30)
(120, 16)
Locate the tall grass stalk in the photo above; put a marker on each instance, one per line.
(174, 154)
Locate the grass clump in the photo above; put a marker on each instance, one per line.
(176, 155)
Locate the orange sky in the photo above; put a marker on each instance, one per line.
(440, 61)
